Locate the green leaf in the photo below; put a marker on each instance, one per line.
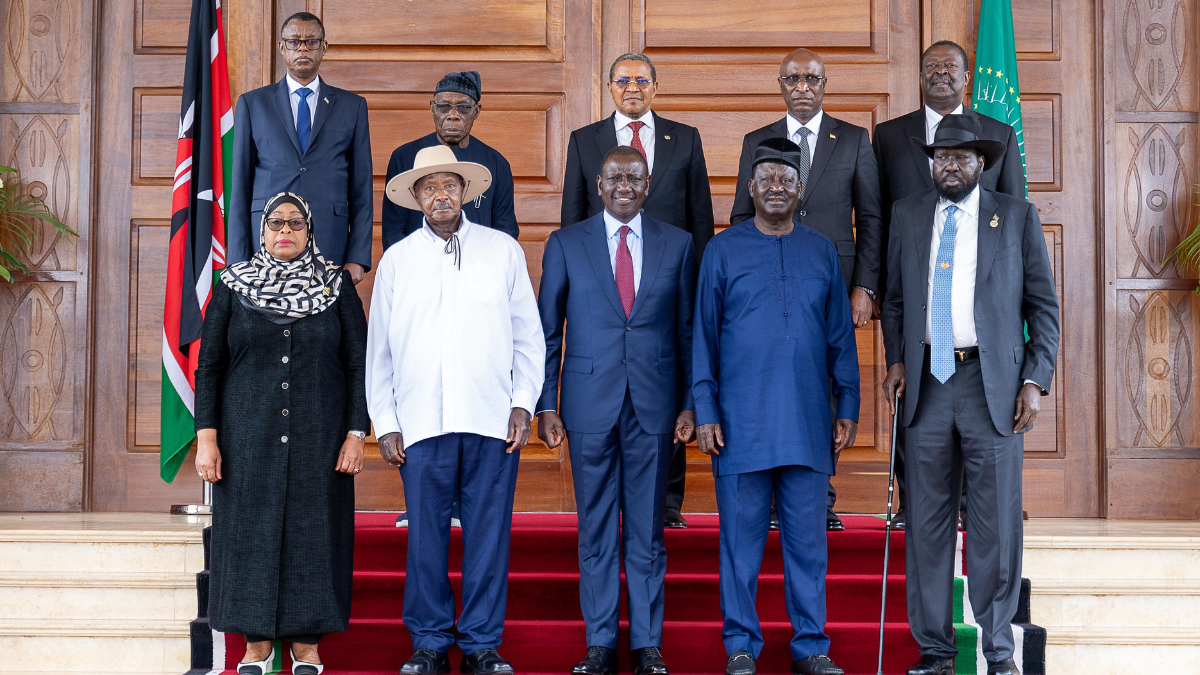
(4, 274)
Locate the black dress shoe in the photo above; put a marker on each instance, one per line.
(832, 522)
(774, 522)
(1005, 667)
(932, 665)
(597, 661)
(648, 661)
(740, 663)
(898, 520)
(817, 664)
(485, 662)
(426, 662)
(674, 520)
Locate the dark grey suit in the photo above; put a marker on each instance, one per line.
(333, 174)
(966, 424)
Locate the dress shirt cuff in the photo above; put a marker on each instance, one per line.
(847, 408)
(707, 413)
(1040, 387)
(385, 425)
(539, 412)
(524, 399)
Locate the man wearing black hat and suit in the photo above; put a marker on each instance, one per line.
(455, 107)
(305, 136)
(905, 170)
(679, 192)
(968, 272)
(840, 198)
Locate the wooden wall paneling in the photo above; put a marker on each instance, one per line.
(46, 132)
(1151, 167)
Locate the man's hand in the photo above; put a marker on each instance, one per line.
(893, 385)
(1028, 406)
(709, 437)
(350, 459)
(518, 429)
(844, 432)
(356, 272)
(391, 448)
(861, 307)
(685, 426)
(550, 429)
(208, 455)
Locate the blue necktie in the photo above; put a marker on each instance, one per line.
(941, 324)
(303, 118)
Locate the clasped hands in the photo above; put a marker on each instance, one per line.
(1028, 399)
(391, 446)
(552, 432)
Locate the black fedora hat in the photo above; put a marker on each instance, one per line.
(963, 131)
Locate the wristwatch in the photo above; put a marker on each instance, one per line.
(870, 293)
(360, 435)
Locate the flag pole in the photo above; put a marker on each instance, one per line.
(204, 508)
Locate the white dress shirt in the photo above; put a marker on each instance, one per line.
(813, 125)
(932, 119)
(966, 254)
(646, 133)
(633, 241)
(453, 350)
(294, 98)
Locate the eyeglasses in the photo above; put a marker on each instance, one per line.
(295, 224)
(463, 109)
(312, 44)
(813, 81)
(624, 82)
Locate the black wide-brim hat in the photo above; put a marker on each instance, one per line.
(963, 131)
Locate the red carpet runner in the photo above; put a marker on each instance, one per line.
(544, 631)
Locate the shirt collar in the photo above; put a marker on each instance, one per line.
(969, 206)
(934, 118)
(622, 120)
(293, 85)
(463, 231)
(814, 125)
(612, 225)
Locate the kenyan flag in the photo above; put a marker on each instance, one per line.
(197, 245)
(997, 90)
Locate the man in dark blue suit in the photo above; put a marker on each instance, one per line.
(304, 136)
(773, 341)
(624, 285)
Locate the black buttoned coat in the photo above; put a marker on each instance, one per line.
(282, 398)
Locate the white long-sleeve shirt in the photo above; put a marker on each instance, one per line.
(452, 350)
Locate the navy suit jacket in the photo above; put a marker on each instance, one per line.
(679, 191)
(1014, 291)
(650, 353)
(333, 175)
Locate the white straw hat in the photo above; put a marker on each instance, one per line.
(437, 159)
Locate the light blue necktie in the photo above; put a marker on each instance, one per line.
(303, 118)
(941, 323)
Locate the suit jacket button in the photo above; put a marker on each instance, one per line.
(803, 213)
(302, 169)
(923, 307)
(922, 343)
(628, 328)
(622, 360)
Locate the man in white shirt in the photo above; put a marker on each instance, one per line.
(968, 274)
(455, 362)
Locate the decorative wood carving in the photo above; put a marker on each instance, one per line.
(1157, 199)
(1159, 368)
(44, 148)
(36, 366)
(1154, 36)
(40, 43)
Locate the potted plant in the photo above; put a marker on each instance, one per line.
(18, 227)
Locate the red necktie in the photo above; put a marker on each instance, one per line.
(625, 270)
(636, 143)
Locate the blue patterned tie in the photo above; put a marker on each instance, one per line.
(941, 324)
(303, 118)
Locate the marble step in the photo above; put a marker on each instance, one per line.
(1111, 558)
(1085, 650)
(1118, 603)
(98, 596)
(93, 646)
(88, 551)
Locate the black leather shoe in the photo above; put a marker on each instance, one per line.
(774, 522)
(932, 665)
(426, 662)
(832, 522)
(648, 661)
(485, 662)
(740, 663)
(898, 520)
(817, 664)
(1005, 667)
(597, 661)
(674, 520)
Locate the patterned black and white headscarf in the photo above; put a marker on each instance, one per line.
(285, 289)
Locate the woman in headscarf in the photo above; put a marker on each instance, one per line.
(281, 415)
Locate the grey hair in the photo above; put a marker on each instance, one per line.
(633, 56)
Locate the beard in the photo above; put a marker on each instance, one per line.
(957, 193)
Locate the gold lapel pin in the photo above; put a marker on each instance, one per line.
(833, 136)
(666, 138)
(995, 221)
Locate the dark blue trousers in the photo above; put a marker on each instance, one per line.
(744, 505)
(621, 476)
(488, 478)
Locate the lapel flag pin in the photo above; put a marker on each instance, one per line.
(666, 138)
(995, 221)
(833, 136)
(327, 99)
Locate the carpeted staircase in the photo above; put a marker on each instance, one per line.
(544, 631)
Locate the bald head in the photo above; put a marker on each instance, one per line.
(802, 83)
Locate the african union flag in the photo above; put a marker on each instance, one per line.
(997, 90)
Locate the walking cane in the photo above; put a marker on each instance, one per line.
(887, 541)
